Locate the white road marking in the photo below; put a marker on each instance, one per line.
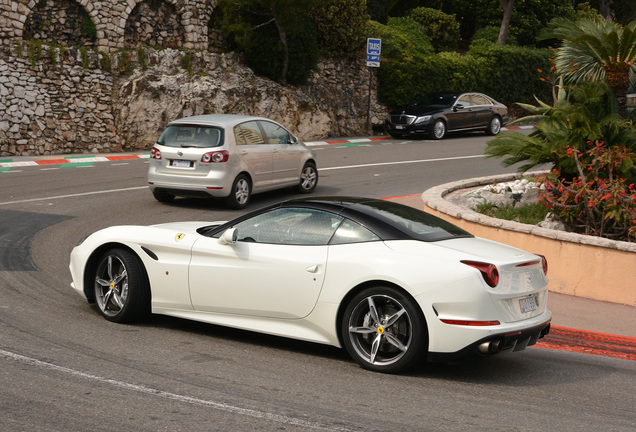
(73, 195)
(320, 169)
(173, 396)
(400, 162)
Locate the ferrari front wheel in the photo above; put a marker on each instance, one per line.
(383, 330)
(122, 291)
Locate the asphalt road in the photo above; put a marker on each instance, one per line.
(64, 368)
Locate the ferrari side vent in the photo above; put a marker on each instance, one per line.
(150, 253)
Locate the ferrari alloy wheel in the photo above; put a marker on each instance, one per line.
(439, 129)
(240, 194)
(494, 127)
(383, 331)
(308, 178)
(121, 286)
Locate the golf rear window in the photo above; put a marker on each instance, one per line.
(189, 136)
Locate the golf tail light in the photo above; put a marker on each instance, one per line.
(215, 157)
(544, 262)
(488, 271)
(155, 154)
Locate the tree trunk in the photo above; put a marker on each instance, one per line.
(618, 80)
(507, 6)
(605, 9)
(283, 41)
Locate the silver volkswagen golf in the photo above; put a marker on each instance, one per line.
(230, 157)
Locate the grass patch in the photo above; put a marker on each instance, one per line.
(529, 214)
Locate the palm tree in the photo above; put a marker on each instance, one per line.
(586, 112)
(595, 49)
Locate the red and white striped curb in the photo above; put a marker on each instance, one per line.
(345, 141)
(71, 160)
(89, 159)
(366, 140)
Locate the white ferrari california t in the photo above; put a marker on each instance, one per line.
(392, 284)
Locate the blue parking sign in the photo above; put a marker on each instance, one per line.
(374, 47)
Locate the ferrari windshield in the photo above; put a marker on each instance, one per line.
(184, 135)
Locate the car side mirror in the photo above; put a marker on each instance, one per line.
(229, 236)
(458, 107)
(293, 140)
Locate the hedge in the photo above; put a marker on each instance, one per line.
(410, 68)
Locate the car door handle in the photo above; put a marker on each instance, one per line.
(312, 269)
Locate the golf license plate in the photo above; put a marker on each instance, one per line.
(181, 163)
(528, 304)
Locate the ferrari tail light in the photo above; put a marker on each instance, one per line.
(215, 157)
(155, 154)
(544, 264)
(488, 271)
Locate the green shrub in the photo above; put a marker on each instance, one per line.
(409, 58)
(441, 28)
(412, 69)
(510, 73)
(302, 46)
(464, 72)
(341, 27)
(529, 213)
(143, 58)
(489, 35)
(303, 53)
(253, 28)
(35, 51)
(88, 28)
(598, 201)
(104, 61)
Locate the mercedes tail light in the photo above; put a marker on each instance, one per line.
(155, 154)
(488, 271)
(215, 157)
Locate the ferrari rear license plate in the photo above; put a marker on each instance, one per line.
(528, 304)
(181, 163)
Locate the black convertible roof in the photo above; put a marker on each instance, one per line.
(387, 219)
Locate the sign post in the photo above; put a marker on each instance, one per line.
(374, 48)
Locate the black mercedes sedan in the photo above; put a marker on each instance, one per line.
(439, 113)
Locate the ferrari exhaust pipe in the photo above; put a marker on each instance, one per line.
(490, 347)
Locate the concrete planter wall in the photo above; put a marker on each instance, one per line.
(579, 265)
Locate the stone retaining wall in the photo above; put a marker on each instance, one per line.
(67, 100)
(579, 265)
(108, 24)
(115, 93)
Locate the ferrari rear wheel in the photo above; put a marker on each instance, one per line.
(121, 287)
(383, 330)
